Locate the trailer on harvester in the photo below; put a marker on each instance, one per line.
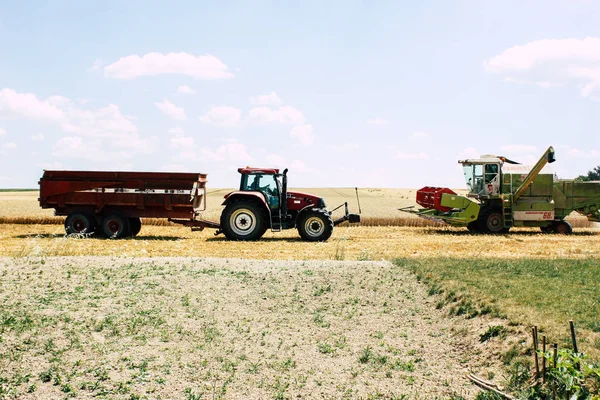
(114, 203)
(500, 198)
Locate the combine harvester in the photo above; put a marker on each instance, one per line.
(114, 203)
(501, 199)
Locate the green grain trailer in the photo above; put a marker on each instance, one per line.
(500, 197)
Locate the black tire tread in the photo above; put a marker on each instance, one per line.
(324, 215)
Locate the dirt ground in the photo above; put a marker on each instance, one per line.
(228, 328)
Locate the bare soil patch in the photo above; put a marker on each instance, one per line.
(228, 328)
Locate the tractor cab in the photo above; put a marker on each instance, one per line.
(268, 182)
(483, 176)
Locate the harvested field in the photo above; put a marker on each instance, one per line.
(347, 243)
(224, 328)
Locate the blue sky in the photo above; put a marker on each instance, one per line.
(343, 93)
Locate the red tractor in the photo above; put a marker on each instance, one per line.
(263, 202)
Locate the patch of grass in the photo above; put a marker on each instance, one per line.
(492, 331)
(545, 292)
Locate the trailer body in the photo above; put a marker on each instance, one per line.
(114, 201)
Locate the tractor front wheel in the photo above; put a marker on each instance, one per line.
(492, 222)
(243, 220)
(315, 225)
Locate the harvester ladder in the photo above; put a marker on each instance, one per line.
(507, 211)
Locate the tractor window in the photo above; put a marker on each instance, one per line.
(468, 170)
(266, 184)
(477, 178)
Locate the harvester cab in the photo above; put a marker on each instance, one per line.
(483, 176)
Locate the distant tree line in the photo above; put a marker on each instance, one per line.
(593, 175)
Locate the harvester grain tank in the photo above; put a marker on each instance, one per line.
(114, 203)
(500, 197)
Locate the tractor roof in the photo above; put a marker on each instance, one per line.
(249, 170)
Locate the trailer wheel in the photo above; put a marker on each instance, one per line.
(243, 220)
(77, 223)
(135, 225)
(562, 227)
(315, 225)
(492, 222)
(115, 226)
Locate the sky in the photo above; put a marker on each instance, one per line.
(343, 93)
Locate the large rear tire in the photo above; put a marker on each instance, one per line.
(135, 225)
(115, 226)
(243, 220)
(79, 223)
(315, 225)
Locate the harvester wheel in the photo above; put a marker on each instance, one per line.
(135, 225)
(243, 220)
(492, 222)
(547, 229)
(315, 225)
(562, 227)
(115, 226)
(77, 223)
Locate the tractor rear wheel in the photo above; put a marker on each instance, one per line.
(315, 225)
(243, 220)
(492, 221)
(79, 223)
(135, 225)
(562, 227)
(115, 226)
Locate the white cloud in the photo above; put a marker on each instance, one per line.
(176, 131)
(345, 147)
(578, 153)
(552, 62)
(2, 132)
(28, 105)
(304, 133)
(9, 146)
(38, 137)
(171, 110)
(420, 135)
(232, 152)
(185, 89)
(377, 121)
(270, 99)
(222, 116)
(275, 160)
(98, 63)
(184, 142)
(469, 152)
(519, 148)
(299, 166)
(172, 168)
(282, 115)
(56, 165)
(412, 156)
(151, 64)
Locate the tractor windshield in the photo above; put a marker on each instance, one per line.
(267, 184)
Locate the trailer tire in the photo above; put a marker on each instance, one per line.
(243, 220)
(562, 227)
(135, 225)
(115, 226)
(79, 223)
(315, 225)
(492, 221)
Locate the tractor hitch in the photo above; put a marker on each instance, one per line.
(352, 218)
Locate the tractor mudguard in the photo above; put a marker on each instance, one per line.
(239, 195)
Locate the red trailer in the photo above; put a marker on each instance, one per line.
(114, 202)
